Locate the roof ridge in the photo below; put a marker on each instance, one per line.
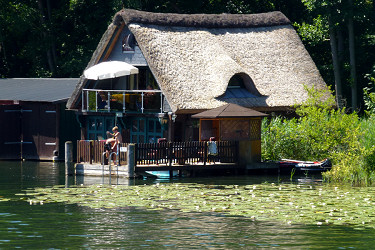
(222, 111)
(274, 18)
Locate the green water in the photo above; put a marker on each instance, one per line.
(74, 224)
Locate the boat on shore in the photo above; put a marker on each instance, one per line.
(323, 165)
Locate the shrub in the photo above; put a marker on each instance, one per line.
(323, 132)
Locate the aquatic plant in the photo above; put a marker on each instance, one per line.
(285, 203)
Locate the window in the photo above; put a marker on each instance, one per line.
(128, 43)
(241, 86)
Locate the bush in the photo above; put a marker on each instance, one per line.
(323, 132)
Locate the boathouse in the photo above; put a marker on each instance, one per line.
(34, 122)
(178, 65)
(188, 64)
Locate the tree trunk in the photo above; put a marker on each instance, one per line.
(335, 60)
(45, 35)
(52, 35)
(353, 73)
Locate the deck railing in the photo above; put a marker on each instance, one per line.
(167, 153)
(186, 153)
(90, 151)
(124, 101)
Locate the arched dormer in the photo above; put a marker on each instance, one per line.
(241, 86)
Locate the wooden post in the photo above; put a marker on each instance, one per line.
(131, 160)
(91, 147)
(69, 167)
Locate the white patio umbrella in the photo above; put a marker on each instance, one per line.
(108, 70)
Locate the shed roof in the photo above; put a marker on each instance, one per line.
(37, 89)
(229, 110)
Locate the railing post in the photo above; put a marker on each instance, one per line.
(87, 100)
(161, 103)
(83, 100)
(123, 101)
(96, 101)
(91, 155)
(142, 94)
(109, 101)
(205, 153)
(170, 152)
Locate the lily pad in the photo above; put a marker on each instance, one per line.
(288, 203)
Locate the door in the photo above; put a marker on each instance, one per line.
(30, 125)
(154, 130)
(28, 131)
(145, 130)
(138, 130)
(10, 132)
(97, 126)
(48, 135)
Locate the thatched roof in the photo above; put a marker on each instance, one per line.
(193, 57)
(229, 110)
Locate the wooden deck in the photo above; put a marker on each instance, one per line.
(190, 167)
(184, 157)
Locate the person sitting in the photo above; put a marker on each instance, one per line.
(102, 100)
(112, 143)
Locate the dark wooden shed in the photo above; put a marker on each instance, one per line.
(34, 123)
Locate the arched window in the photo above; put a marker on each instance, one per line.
(241, 86)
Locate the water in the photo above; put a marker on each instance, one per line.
(61, 226)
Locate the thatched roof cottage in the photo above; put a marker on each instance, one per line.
(204, 61)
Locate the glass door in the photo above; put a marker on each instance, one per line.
(138, 130)
(97, 126)
(145, 130)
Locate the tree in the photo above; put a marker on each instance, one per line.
(51, 38)
(343, 18)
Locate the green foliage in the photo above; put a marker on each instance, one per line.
(315, 33)
(369, 95)
(51, 38)
(323, 132)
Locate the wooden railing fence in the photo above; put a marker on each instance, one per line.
(91, 151)
(166, 153)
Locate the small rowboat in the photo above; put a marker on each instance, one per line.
(306, 165)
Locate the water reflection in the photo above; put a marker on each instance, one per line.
(105, 180)
(60, 226)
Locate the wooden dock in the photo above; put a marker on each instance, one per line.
(187, 158)
(88, 169)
